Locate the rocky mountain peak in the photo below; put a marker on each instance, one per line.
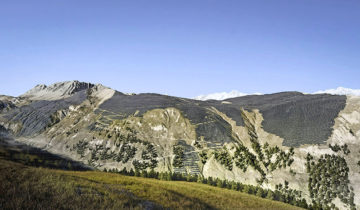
(57, 90)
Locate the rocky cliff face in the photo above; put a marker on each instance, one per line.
(310, 141)
(56, 91)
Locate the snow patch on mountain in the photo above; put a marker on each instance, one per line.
(340, 91)
(235, 93)
(223, 95)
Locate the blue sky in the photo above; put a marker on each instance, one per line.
(179, 47)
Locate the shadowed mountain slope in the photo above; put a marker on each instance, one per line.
(296, 117)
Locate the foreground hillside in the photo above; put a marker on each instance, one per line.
(24, 187)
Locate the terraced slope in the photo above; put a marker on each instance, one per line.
(34, 117)
(209, 125)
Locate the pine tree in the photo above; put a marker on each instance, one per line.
(199, 179)
(124, 171)
(205, 181)
(137, 172)
(152, 173)
(239, 186)
(270, 195)
(303, 204)
(233, 185)
(69, 166)
(144, 174)
(162, 176)
(174, 176)
(247, 189)
(218, 182)
(226, 184)
(210, 181)
(168, 176)
(188, 177)
(259, 192)
(131, 173)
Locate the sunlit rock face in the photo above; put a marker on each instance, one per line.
(56, 91)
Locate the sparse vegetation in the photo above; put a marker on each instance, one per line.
(289, 195)
(337, 148)
(129, 151)
(178, 151)
(262, 161)
(292, 172)
(198, 145)
(224, 158)
(244, 158)
(345, 149)
(203, 157)
(351, 132)
(148, 156)
(149, 152)
(328, 179)
(80, 147)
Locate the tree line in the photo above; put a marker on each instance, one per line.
(292, 197)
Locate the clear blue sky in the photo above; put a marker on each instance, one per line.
(179, 47)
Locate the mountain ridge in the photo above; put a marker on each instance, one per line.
(57, 90)
(261, 140)
(235, 93)
(73, 86)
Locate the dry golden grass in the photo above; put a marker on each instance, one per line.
(24, 187)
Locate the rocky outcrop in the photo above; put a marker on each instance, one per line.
(56, 91)
(7, 103)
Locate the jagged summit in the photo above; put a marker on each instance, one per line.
(57, 90)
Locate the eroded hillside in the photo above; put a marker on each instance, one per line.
(308, 141)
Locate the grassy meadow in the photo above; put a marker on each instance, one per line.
(26, 187)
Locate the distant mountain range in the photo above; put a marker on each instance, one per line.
(235, 93)
(307, 144)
